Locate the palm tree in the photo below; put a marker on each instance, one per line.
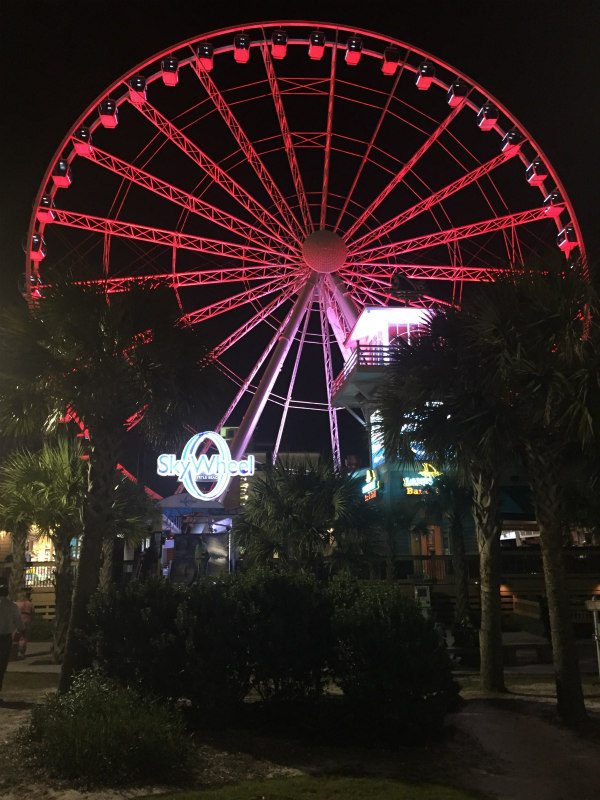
(17, 515)
(438, 399)
(133, 515)
(542, 340)
(114, 360)
(391, 526)
(301, 513)
(452, 501)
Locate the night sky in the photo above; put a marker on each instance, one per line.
(541, 59)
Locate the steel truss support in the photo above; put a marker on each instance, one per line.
(245, 385)
(287, 140)
(451, 235)
(182, 280)
(437, 197)
(423, 272)
(143, 233)
(265, 386)
(257, 318)
(333, 422)
(367, 153)
(187, 201)
(248, 150)
(343, 299)
(290, 391)
(399, 177)
(215, 172)
(235, 301)
(329, 131)
(336, 319)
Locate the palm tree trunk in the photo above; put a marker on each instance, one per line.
(459, 566)
(17, 572)
(548, 506)
(102, 464)
(63, 588)
(487, 524)
(106, 569)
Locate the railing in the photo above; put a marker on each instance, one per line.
(40, 574)
(435, 568)
(365, 355)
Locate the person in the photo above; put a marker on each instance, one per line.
(27, 610)
(10, 622)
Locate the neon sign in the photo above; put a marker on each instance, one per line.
(415, 484)
(191, 468)
(371, 485)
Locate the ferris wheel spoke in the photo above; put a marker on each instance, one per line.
(172, 239)
(187, 201)
(452, 235)
(333, 424)
(290, 391)
(369, 149)
(384, 273)
(427, 203)
(249, 151)
(328, 134)
(235, 301)
(246, 384)
(383, 298)
(215, 173)
(402, 173)
(255, 320)
(183, 280)
(287, 139)
(286, 335)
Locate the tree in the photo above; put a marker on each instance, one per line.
(17, 515)
(542, 341)
(439, 400)
(114, 361)
(390, 527)
(452, 500)
(301, 514)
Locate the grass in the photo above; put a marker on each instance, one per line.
(526, 684)
(330, 788)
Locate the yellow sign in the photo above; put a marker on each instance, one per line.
(429, 471)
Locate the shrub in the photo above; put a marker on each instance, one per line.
(135, 637)
(388, 660)
(290, 638)
(100, 733)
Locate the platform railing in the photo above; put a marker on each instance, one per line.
(364, 355)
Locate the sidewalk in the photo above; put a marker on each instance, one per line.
(38, 659)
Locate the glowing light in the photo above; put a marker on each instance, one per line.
(191, 468)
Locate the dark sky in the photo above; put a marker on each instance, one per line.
(541, 59)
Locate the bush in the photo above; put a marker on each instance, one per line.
(135, 637)
(100, 733)
(388, 660)
(283, 637)
(290, 639)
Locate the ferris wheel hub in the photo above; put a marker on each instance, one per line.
(324, 251)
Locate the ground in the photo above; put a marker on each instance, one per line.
(508, 747)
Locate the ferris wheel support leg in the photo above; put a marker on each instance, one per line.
(344, 300)
(265, 386)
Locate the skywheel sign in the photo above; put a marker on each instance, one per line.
(194, 468)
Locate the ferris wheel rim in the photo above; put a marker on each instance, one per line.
(372, 256)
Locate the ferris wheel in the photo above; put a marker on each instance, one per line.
(280, 177)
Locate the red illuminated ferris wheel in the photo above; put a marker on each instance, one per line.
(282, 176)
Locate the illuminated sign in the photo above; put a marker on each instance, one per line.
(370, 486)
(377, 448)
(192, 468)
(415, 484)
